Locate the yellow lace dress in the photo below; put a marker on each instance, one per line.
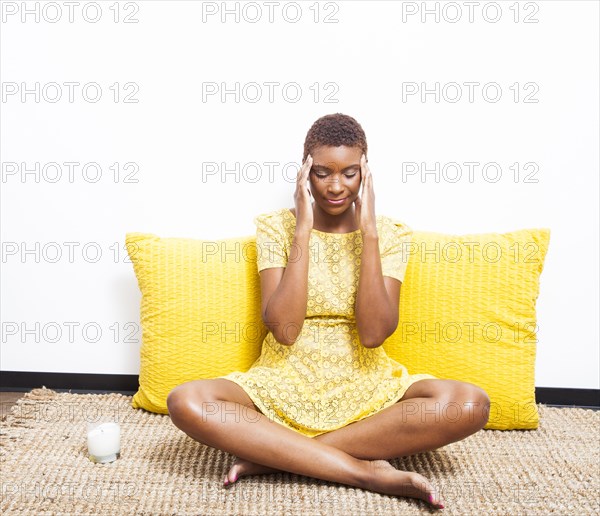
(327, 379)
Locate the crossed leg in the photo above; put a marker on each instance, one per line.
(432, 413)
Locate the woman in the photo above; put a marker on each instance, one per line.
(324, 399)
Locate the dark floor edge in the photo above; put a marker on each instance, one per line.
(26, 380)
(23, 381)
(562, 396)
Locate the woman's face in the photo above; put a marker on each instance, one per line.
(335, 175)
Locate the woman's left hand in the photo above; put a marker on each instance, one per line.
(365, 202)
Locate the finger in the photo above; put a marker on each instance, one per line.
(309, 163)
(365, 182)
(306, 169)
(368, 175)
(302, 172)
(366, 167)
(365, 171)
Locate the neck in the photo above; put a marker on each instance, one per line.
(343, 223)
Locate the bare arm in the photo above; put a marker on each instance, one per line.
(377, 299)
(284, 290)
(284, 293)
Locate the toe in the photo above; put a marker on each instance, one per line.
(435, 501)
(233, 474)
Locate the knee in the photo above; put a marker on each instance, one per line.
(177, 402)
(472, 404)
(476, 403)
(182, 403)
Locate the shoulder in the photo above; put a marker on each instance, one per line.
(392, 227)
(280, 221)
(271, 217)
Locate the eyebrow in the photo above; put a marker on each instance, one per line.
(323, 167)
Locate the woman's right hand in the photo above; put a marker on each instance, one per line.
(304, 212)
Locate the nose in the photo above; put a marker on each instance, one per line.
(334, 185)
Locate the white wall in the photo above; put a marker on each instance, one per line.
(370, 55)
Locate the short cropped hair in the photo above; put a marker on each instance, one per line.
(335, 130)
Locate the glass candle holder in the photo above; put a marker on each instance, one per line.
(104, 441)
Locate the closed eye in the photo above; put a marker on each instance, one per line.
(322, 175)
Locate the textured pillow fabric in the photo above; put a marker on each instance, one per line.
(200, 311)
(467, 312)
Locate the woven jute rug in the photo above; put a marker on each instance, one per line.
(161, 471)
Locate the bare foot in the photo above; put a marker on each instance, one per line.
(389, 480)
(243, 467)
(386, 479)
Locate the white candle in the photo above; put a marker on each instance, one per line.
(104, 442)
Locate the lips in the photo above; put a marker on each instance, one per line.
(336, 202)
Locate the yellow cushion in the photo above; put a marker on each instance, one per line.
(200, 314)
(200, 311)
(467, 312)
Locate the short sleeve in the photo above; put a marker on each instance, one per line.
(396, 238)
(271, 244)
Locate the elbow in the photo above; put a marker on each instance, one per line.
(374, 340)
(283, 340)
(371, 344)
(371, 341)
(279, 336)
(374, 329)
(286, 334)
